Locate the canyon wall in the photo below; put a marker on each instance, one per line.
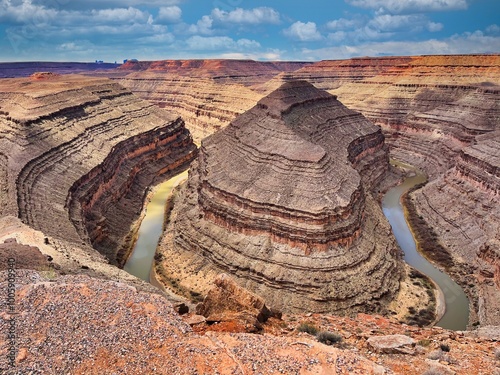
(208, 94)
(78, 154)
(281, 199)
(430, 109)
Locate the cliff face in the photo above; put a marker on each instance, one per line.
(277, 199)
(430, 107)
(462, 206)
(208, 94)
(204, 104)
(78, 154)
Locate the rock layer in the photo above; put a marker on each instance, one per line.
(208, 94)
(281, 200)
(79, 154)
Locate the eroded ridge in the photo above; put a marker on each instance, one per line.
(80, 153)
(277, 199)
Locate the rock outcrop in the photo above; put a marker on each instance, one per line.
(228, 302)
(204, 104)
(77, 155)
(77, 324)
(280, 199)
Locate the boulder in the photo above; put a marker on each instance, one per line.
(227, 302)
(392, 344)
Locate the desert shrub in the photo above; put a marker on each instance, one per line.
(329, 338)
(308, 328)
(444, 347)
(424, 342)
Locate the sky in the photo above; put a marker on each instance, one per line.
(114, 30)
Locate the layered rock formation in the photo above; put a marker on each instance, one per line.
(204, 104)
(77, 155)
(281, 200)
(208, 94)
(462, 207)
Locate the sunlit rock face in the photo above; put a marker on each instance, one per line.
(281, 200)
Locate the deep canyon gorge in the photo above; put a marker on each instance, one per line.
(283, 195)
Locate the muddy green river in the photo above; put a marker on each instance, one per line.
(140, 261)
(456, 313)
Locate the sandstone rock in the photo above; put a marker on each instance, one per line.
(281, 200)
(392, 344)
(194, 319)
(77, 155)
(229, 302)
(25, 256)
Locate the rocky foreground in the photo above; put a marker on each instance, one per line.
(82, 325)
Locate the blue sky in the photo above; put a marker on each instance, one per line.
(113, 30)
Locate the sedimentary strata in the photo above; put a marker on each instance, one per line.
(462, 207)
(281, 200)
(79, 153)
(429, 107)
(204, 104)
(208, 94)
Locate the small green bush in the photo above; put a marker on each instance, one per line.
(308, 328)
(329, 338)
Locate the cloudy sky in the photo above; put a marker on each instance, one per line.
(113, 30)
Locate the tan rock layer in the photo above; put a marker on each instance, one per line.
(55, 132)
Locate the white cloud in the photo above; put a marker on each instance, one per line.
(476, 42)
(338, 36)
(434, 26)
(103, 4)
(169, 14)
(342, 24)
(410, 6)
(304, 32)
(493, 29)
(408, 23)
(119, 16)
(23, 11)
(203, 26)
(261, 15)
(163, 38)
(220, 43)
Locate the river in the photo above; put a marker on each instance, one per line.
(140, 261)
(456, 314)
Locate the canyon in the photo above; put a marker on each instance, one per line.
(431, 109)
(281, 200)
(78, 154)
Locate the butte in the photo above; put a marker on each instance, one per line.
(281, 199)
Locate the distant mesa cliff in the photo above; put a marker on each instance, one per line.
(77, 155)
(281, 200)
